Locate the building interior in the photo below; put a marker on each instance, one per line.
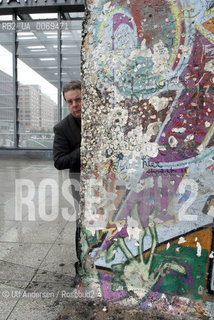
(39, 52)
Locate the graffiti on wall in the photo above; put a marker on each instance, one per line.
(148, 152)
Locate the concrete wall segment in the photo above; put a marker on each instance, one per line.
(147, 154)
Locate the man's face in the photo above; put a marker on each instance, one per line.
(73, 100)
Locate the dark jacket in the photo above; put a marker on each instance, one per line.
(66, 147)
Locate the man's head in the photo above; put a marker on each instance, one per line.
(72, 96)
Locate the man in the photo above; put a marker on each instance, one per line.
(66, 147)
(68, 131)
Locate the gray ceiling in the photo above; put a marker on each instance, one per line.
(38, 44)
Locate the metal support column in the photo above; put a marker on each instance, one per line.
(59, 67)
(15, 87)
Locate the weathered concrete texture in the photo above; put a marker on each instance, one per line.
(79, 310)
(148, 153)
(97, 310)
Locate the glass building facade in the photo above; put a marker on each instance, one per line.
(39, 52)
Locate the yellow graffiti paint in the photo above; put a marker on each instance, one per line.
(209, 11)
(178, 17)
(204, 32)
(208, 135)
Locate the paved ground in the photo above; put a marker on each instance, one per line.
(37, 245)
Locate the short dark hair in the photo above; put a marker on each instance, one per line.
(71, 85)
